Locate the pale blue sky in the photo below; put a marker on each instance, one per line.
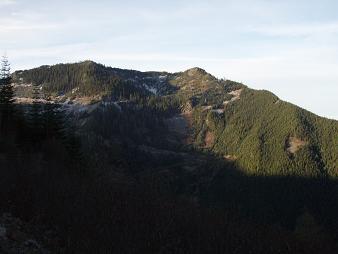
(289, 47)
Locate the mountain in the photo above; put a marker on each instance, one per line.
(96, 159)
(254, 129)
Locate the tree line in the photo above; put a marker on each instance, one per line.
(28, 128)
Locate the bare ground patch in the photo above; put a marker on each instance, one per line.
(230, 157)
(293, 144)
(209, 139)
(236, 96)
(181, 125)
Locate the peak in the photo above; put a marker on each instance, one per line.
(89, 62)
(195, 70)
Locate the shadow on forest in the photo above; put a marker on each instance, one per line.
(166, 202)
(265, 199)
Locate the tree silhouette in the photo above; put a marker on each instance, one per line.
(6, 95)
(53, 120)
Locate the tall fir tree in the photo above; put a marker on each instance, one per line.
(35, 118)
(53, 120)
(6, 95)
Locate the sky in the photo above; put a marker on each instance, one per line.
(288, 47)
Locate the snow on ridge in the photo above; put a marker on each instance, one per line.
(162, 77)
(153, 90)
(218, 111)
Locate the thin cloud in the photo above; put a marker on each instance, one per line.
(261, 43)
(7, 2)
(20, 27)
(297, 29)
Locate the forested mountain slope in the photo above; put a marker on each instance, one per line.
(256, 130)
(268, 136)
(104, 160)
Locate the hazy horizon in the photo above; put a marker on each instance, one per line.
(287, 48)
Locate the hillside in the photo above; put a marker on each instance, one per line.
(89, 78)
(256, 130)
(268, 136)
(121, 161)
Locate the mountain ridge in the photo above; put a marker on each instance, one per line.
(209, 157)
(254, 128)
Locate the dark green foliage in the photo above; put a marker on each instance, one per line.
(84, 79)
(35, 117)
(6, 97)
(256, 130)
(164, 106)
(53, 120)
(128, 121)
(231, 85)
(88, 77)
(6, 92)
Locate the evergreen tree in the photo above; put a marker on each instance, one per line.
(53, 120)
(73, 146)
(35, 116)
(6, 95)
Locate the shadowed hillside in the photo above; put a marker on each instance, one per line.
(121, 161)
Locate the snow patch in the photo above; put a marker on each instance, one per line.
(115, 103)
(153, 90)
(163, 77)
(218, 111)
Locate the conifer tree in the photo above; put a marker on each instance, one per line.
(35, 116)
(6, 95)
(53, 120)
(73, 146)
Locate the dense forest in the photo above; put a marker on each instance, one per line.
(261, 133)
(257, 175)
(258, 128)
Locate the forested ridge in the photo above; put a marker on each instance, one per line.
(256, 129)
(165, 163)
